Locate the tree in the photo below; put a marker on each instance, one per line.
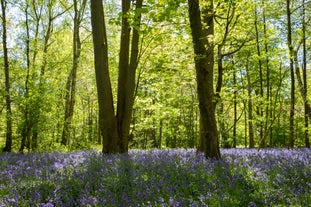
(232, 40)
(36, 103)
(27, 123)
(114, 128)
(307, 107)
(260, 65)
(292, 74)
(71, 80)
(9, 137)
(201, 16)
(250, 107)
(302, 81)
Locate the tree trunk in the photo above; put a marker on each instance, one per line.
(260, 65)
(107, 119)
(250, 109)
(245, 125)
(204, 63)
(268, 115)
(222, 129)
(9, 137)
(71, 81)
(235, 103)
(115, 129)
(123, 75)
(128, 62)
(304, 72)
(231, 20)
(291, 140)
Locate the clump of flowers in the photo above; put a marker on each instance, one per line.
(179, 177)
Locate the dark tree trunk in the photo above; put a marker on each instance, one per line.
(123, 75)
(25, 131)
(9, 136)
(291, 140)
(204, 63)
(107, 120)
(115, 129)
(304, 72)
(223, 131)
(128, 62)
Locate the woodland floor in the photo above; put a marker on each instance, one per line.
(177, 177)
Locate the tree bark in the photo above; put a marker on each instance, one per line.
(202, 37)
(304, 72)
(107, 119)
(123, 72)
(9, 136)
(291, 140)
(115, 129)
(128, 62)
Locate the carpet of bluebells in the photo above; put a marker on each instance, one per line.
(244, 177)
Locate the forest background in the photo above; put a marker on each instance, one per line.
(49, 89)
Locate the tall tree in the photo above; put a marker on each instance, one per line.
(201, 16)
(71, 80)
(304, 72)
(302, 81)
(107, 121)
(269, 115)
(260, 65)
(28, 108)
(292, 74)
(43, 16)
(8, 142)
(115, 128)
(264, 81)
(226, 48)
(250, 106)
(235, 103)
(127, 71)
